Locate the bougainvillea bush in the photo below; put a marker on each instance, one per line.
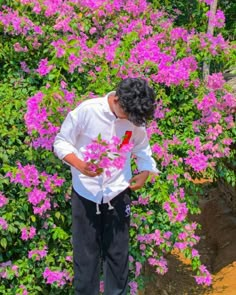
(54, 54)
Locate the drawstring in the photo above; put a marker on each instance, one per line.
(97, 209)
(110, 207)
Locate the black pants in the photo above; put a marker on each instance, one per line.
(103, 236)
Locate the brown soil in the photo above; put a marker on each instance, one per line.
(217, 248)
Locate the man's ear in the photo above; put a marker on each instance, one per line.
(116, 98)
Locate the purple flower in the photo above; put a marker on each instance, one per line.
(28, 234)
(133, 288)
(3, 224)
(43, 68)
(138, 267)
(215, 81)
(197, 160)
(3, 200)
(101, 288)
(58, 277)
(38, 254)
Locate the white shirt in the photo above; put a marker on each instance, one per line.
(91, 118)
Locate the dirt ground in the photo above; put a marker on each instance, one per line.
(217, 249)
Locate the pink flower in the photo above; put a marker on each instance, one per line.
(58, 277)
(204, 278)
(3, 200)
(3, 224)
(32, 232)
(106, 155)
(92, 31)
(44, 68)
(197, 160)
(39, 254)
(133, 288)
(36, 196)
(69, 258)
(207, 1)
(215, 81)
(25, 292)
(160, 264)
(217, 20)
(195, 253)
(24, 67)
(28, 234)
(24, 234)
(27, 175)
(138, 267)
(101, 288)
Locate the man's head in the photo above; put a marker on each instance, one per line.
(135, 100)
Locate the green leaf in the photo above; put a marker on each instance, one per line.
(3, 243)
(58, 214)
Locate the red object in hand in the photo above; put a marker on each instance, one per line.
(126, 139)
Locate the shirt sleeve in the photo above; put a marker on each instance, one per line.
(142, 151)
(65, 141)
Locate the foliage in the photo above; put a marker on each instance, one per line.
(55, 54)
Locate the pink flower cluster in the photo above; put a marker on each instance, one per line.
(213, 44)
(160, 264)
(58, 277)
(28, 176)
(36, 119)
(105, 8)
(40, 201)
(133, 288)
(105, 155)
(38, 254)
(3, 224)
(101, 287)
(215, 81)
(15, 24)
(197, 160)
(156, 239)
(213, 106)
(187, 238)
(5, 266)
(208, 2)
(176, 210)
(141, 200)
(28, 234)
(204, 278)
(24, 290)
(19, 48)
(3, 200)
(43, 68)
(216, 20)
(169, 73)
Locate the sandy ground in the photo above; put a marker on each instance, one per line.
(217, 249)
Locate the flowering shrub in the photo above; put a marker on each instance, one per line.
(57, 53)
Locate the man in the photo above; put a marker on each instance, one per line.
(101, 204)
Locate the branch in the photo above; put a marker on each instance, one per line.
(210, 30)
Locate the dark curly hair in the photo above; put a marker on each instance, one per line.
(136, 99)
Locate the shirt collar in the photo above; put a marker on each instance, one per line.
(106, 105)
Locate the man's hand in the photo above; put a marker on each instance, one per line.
(85, 168)
(138, 180)
(82, 166)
